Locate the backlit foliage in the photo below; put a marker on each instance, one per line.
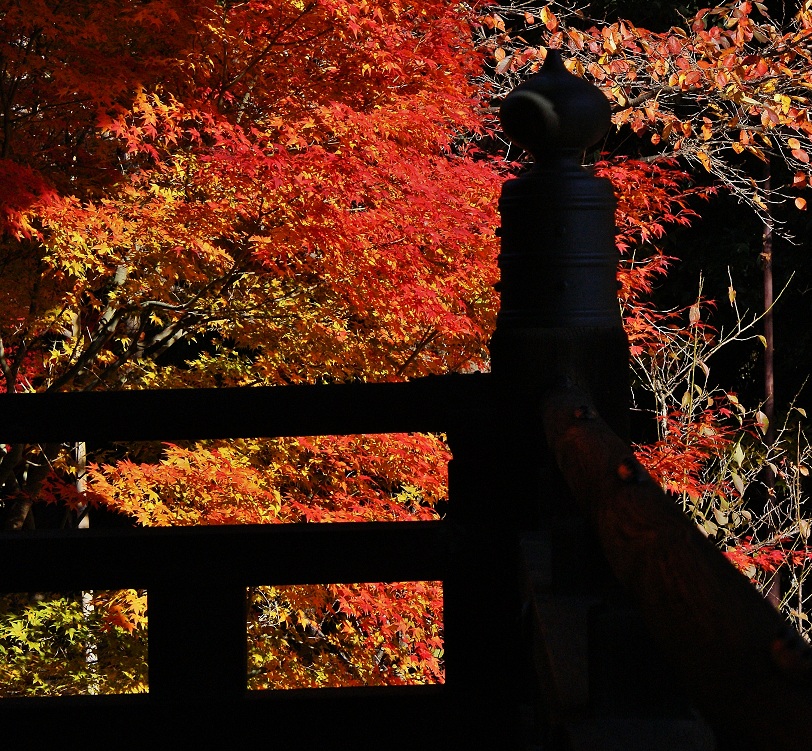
(253, 193)
(53, 645)
(730, 83)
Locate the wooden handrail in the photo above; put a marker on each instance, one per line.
(722, 638)
(424, 405)
(249, 555)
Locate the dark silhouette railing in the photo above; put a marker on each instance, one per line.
(582, 610)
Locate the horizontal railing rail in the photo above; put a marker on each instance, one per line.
(422, 405)
(250, 555)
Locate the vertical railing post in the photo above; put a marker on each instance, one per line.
(197, 627)
(560, 324)
(559, 318)
(559, 321)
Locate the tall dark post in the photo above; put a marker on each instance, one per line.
(600, 637)
(559, 319)
(559, 323)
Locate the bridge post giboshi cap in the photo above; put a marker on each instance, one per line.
(555, 111)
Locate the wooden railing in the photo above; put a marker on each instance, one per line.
(196, 578)
(711, 626)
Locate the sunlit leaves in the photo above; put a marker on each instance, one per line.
(46, 641)
(733, 81)
(273, 192)
(318, 479)
(345, 634)
(236, 206)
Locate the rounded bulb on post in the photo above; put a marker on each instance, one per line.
(555, 111)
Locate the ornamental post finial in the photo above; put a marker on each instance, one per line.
(555, 111)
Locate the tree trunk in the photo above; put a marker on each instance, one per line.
(773, 590)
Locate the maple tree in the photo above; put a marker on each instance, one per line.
(56, 645)
(218, 202)
(264, 192)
